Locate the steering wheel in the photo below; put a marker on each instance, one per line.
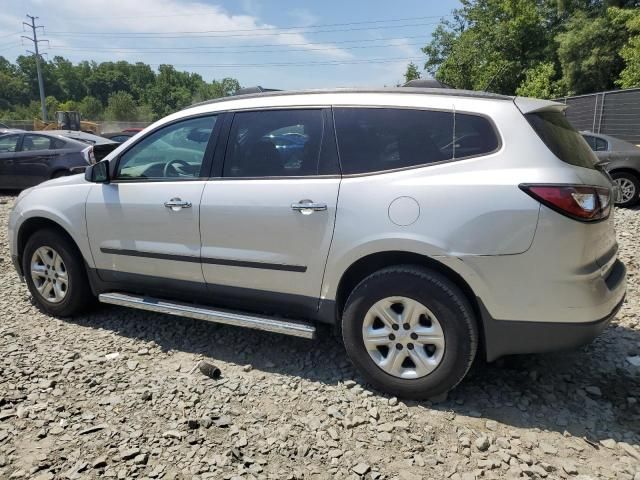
(174, 166)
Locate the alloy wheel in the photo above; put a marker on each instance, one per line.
(627, 189)
(49, 274)
(403, 337)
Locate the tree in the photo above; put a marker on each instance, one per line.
(121, 107)
(541, 47)
(588, 52)
(489, 44)
(412, 72)
(91, 108)
(541, 82)
(630, 53)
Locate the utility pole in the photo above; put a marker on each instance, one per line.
(36, 53)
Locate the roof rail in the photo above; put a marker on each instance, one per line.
(256, 89)
(426, 83)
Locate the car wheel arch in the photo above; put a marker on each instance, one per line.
(34, 224)
(373, 262)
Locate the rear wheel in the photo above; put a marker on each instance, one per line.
(410, 332)
(629, 188)
(55, 274)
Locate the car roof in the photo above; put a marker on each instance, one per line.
(79, 136)
(388, 90)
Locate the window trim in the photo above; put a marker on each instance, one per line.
(325, 143)
(207, 160)
(453, 110)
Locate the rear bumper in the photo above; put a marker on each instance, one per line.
(506, 337)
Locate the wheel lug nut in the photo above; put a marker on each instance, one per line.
(414, 336)
(395, 327)
(392, 336)
(399, 346)
(410, 346)
(406, 326)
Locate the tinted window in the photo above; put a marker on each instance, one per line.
(591, 141)
(378, 139)
(9, 143)
(274, 143)
(601, 145)
(120, 138)
(36, 142)
(561, 138)
(173, 151)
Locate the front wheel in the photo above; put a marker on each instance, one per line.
(410, 332)
(55, 274)
(628, 187)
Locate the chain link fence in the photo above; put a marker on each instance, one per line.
(615, 113)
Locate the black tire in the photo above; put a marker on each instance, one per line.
(78, 295)
(448, 304)
(633, 200)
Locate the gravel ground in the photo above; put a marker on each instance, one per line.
(114, 394)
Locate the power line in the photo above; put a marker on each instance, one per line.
(224, 47)
(294, 64)
(36, 53)
(9, 34)
(319, 25)
(196, 34)
(171, 51)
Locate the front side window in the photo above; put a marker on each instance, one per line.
(9, 143)
(380, 139)
(274, 143)
(36, 142)
(176, 151)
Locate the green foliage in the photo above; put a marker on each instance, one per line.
(630, 53)
(412, 72)
(541, 82)
(544, 48)
(121, 107)
(115, 90)
(91, 108)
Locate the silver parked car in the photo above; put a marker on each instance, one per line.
(622, 160)
(428, 225)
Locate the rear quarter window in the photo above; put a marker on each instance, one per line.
(381, 139)
(562, 139)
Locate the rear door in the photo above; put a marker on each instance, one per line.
(9, 146)
(33, 161)
(267, 220)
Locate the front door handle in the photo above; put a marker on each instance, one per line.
(306, 207)
(176, 204)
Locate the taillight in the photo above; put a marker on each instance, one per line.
(580, 202)
(88, 155)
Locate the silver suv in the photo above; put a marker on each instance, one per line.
(427, 225)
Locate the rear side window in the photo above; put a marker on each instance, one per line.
(36, 142)
(9, 143)
(274, 143)
(562, 139)
(379, 139)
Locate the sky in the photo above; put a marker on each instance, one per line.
(284, 44)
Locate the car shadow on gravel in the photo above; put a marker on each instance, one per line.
(588, 393)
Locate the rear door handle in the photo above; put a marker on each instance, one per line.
(308, 206)
(176, 204)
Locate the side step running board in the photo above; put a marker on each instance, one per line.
(200, 312)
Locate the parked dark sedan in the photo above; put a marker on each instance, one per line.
(28, 158)
(119, 137)
(622, 160)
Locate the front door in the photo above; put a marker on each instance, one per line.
(267, 224)
(144, 226)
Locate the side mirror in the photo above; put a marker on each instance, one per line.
(97, 173)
